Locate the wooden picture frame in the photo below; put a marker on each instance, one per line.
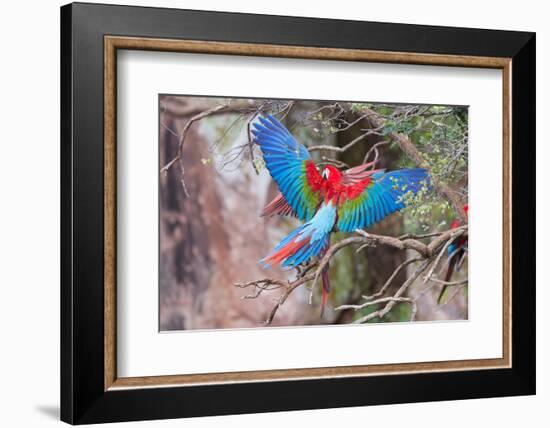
(91, 391)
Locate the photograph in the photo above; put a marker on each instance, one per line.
(294, 212)
(277, 210)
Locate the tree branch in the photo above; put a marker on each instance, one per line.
(427, 252)
(412, 152)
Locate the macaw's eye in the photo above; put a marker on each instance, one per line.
(326, 173)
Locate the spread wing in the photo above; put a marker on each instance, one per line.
(279, 205)
(292, 168)
(370, 200)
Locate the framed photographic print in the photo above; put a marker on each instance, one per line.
(265, 213)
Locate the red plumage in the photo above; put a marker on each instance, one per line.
(291, 248)
(456, 257)
(279, 206)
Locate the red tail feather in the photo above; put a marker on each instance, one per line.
(286, 251)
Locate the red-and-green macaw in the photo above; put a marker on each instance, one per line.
(325, 200)
(456, 253)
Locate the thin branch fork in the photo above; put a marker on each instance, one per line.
(449, 283)
(436, 281)
(385, 310)
(391, 301)
(457, 289)
(289, 287)
(391, 278)
(375, 150)
(190, 122)
(349, 145)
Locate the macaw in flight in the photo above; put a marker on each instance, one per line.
(456, 253)
(325, 200)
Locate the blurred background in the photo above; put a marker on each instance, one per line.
(212, 236)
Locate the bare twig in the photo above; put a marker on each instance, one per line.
(391, 278)
(438, 258)
(347, 146)
(455, 292)
(381, 313)
(414, 236)
(351, 124)
(435, 281)
(251, 139)
(336, 163)
(288, 286)
(449, 283)
(375, 149)
(393, 300)
(190, 122)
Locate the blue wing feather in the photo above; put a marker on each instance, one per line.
(285, 159)
(384, 196)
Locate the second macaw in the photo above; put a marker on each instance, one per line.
(325, 200)
(456, 253)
